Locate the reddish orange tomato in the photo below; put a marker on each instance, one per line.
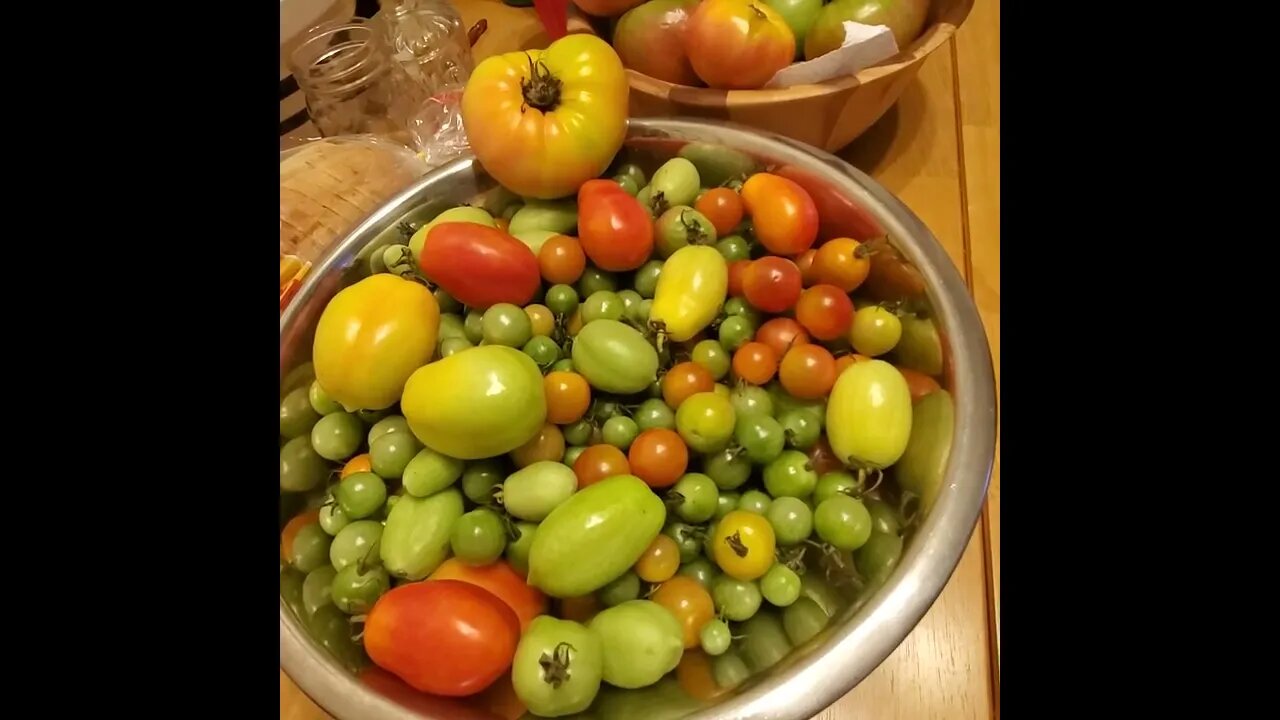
(561, 260)
(659, 561)
(737, 270)
(568, 396)
(783, 216)
(804, 261)
(723, 207)
(843, 262)
(689, 602)
(755, 363)
(579, 609)
(845, 361)
(659, 457)
(738, 43)
(825, 311)
(781, 334)
(296, 523)
(615, 230)
(918, 383)
(359, 463)
(685, 379)
(413, 626)
(772, 284)
(500, 579)
(599, 462)
(547, 445)
(807, 371)
(695, 677)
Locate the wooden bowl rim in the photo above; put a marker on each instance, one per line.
(933, 37)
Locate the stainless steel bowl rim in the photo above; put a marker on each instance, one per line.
(857, 648)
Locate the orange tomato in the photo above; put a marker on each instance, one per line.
(695, 677)
(825, 311)
(540, 317)
(659, 561)
(599, 462)
(783, 216)
(659, 457)
(574, 324)
(804, 261)
(918, 383)
(685, 379)
(843, 262)
(291, 528)
(755, 363)
(359, 463)
(723, 207)
(781, 334)
(845, 361)
(689, 602)
(548, 444)
(737, 271)
(568, 396)
(807, 371)
(499, 578)
(561, 260)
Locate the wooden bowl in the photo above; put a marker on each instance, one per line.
(828, 115)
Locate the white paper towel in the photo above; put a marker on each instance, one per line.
(864, 46)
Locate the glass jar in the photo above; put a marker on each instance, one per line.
(428, 42)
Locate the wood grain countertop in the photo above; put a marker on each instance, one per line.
(938, 150)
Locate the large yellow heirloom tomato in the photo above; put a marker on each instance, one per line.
(371, 337)
(542, 122)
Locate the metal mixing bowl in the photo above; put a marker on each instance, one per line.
(952, 463)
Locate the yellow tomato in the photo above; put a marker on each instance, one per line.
(371, 337)
(743, 545)
(690, 291)
(542, 122)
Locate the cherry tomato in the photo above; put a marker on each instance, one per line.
(547, 445)
(413, 626)
(659, 457)
(918, 383)
(843, 262)
(685, 379)
(561, 260)
(845, 361)
(823, 459)
(599, 462)
(580, 608)
(804, 261)
(781, 334)
(574, 324)
(615, 230)
(783, 216)
(541, 319)
(723, 207)
(825, 311)
(301, 520)
(692, 605)
(695, 676)
(737, 271)
(500, 579)
(360, 463)
(568, 396)
(743, 545)
(807, 371)
(755, 363)
(772, 284)
(659, 561)
(479, 265)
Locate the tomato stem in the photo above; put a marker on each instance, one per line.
(735, 544)
(555, 665)
(541, 89)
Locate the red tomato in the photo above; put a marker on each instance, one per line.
(479, 265)
(755, 363)
(781, 333)
(783, 216)
(599, 462)
(649, 39)
(500, 579)
(723, 207)
(918, 383)
(825, 311)
(615, 230)
(738, 43)
(659, 457)
(737, 269)
(413, 629)
(807, 371)
(772, 284)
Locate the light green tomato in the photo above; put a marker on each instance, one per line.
(532, 492)
(321, 402)
(642, 641)
(535, 239)
(416, 537)
(924, 462)
(799, 15)
(297, 417)
(464, 213)
(391, 453)
(869, 415)
(919, 347)
(595, 536)
(557, 216)
(557, 667)
(705, 421)
(677, 181)
(429, 472)
(717, 164)
(614, 357)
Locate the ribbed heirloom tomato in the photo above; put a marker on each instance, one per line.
(542, 122)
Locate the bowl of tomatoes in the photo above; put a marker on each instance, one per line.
(712, 454)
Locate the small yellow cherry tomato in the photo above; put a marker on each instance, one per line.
(743, 545)
(660, 560)
(543, 321)
(359, 463)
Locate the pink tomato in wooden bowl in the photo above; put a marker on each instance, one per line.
(650, 39)
(738, 44)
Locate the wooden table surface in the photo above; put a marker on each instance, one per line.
(938, 150)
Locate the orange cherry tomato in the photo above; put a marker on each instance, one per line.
(574, 324)
(502, 223)
(689, 602)
(845, 361)
(599, 462)
(918, 383)
(541, 318)
(843, 262)
(825, 311)
(807, 371)
(723, 207)
(659, 561)
(772, 284)
(500, 579)
(783, 216)
(562, 260)
(695, 676)
(659, 457)
(755, 363)
(781, 334)
(548, 444)
(291, 528)
(579, 609)
(359, 463)
(737, 270)
(568, 396)
(804, 261)
(685, 379)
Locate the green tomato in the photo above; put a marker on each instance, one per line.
(710, 354)
(729, 670)
(814, 585)
(924, 462)
(869, 415)
(594, 280)
(727, 503)
(320, 400)
(451, 327)
(331, 628)
(316, 589)
(832, 483)
(602, 305)
(620, 431)
(625, 588)
(630, 301)
(297, 417)
(391, 454)
(301, 469)
(790, 475)
(562, 365)
(755, 501)
(416, 537)
(717, 164)
(370, 417)
(878, 556)
(765, 643)
(557, 216)
(729, 468)
(291, 589)
(751, 400)
(571, 454)
(646, 280)
(614, 357)
(734, 247)
(705, 422)
(801, 427)
(654, 413)
(761, 436)
(702, 570)
(310, 548)
(506, 324)
(337, 436)
(594, 536)
(688, 539)
(557, 667)
(543, 350)
(517, 552)
(479, 537)
(532, 492)
(446, 302)
(735, 599)
(628, 185)
(799, 15)
(452, 346)
(803, 620)
(645, 198)
(780, 585)
(356, 543)
(473, 326)
(579, 432)
(843, 522)
(740, 307)
(632, 171)
(357, 587)
(641, 641)
(562, 299)
(694, 497)
(429, 472)
(676, 182)
(386, 426)
(361, 494)
(875, 331)
(735, 332)
(681, 226)
(715, 637)
(534, 239)
(791, 519)
(480, 480)
(884, 518)
(332, 517)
